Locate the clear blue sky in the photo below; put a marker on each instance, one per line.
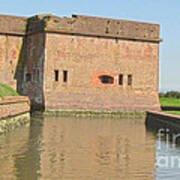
(164, 12)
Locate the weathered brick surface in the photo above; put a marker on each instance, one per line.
(10, 50)
(34, 65)
(12, 25)
(85, 47)
(12, 106)
(95, 26)
(84, 56)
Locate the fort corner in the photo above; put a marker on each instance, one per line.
(81, 62)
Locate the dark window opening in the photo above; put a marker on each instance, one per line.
(28, 77)
(65, 76)
(56, 75)
(129, 80)
(106, 79)
(121, 79)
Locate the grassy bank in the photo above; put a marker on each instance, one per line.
(170, 102)
(7, 91)
(173, 112)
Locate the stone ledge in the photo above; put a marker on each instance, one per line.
(95, 113)
(14, 99)
(14, 105)
(157, 121)
(94, 26)
(164, 114)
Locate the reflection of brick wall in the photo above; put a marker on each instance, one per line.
(12, 106)
(101, 149)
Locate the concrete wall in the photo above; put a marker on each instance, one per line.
(83, 57)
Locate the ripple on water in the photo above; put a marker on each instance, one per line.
(79, 148)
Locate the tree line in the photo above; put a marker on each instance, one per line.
(170, 94)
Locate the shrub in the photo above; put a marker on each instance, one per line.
(170, 94)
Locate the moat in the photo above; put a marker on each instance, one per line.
(85, 148)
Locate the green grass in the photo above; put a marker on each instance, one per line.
(7, 91)
(173, 112)
(170, 102)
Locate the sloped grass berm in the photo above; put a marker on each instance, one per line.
(7, 91)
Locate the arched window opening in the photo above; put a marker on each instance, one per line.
(106, 79)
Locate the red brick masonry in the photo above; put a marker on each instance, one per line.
(12, 106)
(64, 63)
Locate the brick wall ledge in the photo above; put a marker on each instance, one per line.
(14, 100)
(12, 33)
(108, 36)
(14, 112)
(98, 113)
(14, 105)
(164, 114)
(161, 122)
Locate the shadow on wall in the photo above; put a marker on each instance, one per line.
(30, 68)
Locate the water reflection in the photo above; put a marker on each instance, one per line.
(78, 148)
(167, 157)
(27, 162)
(20, 153)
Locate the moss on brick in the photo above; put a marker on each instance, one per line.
(87, 113)
(107, 30)
(11, 123)
(46, 18)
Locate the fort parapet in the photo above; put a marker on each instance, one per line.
(95, 26)
(12, 25)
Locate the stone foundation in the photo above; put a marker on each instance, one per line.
(14, 112)
(137, 116)
(9, 124)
